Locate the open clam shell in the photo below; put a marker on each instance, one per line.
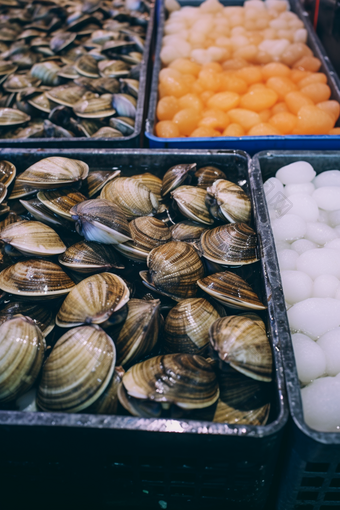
(101, 221)
(35, 278)
(207, 175)
(97, 179)
(138, 407)
(11, 117)
(54, 172)
(191, 203)
(231, 290)
(187, 231)
(95, 108)
(41, 213)
(107, 403)
(125, 105)
(19, 82)
(126, 126)
(61, 201)
(42, 317)
(234, 203)
(66, 95)
(140, 331)
(22, 348)
(113, 68)
(175, 176)
(151, 181)
(33, 238)
(90, 257)
(183, 379)
(87, 66)
(174, 269)
(20, 190)
(61, 41)
(243, 344)
(77, 371)
(41, 102)
(7, 68)
(133, 198)
(93, 300)
(234, 244)
(187, 326)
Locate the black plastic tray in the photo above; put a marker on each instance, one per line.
(311, 475)
(251, 144)
(196, 464)
(134, 140)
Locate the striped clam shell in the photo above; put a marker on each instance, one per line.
(33, 238)
(233, 244)
(187, 231)
(183, 379)
(175, 176)
(207, 175)
(94, 108)
(90, 257)
(93, 300)
(54, 172)
(22, 348)
(12, 117)
(243, 344)
(151, 181)
(66, 95)
(61, 201)
(77, 371)
(149, 232)
(42, 317)
(234, 203)
(47, 72)
(107, 403)
(137, 406)
(231, 290)
(97, 179)
(7, 173)
(191, 203)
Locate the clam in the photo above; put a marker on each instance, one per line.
(19, 82)
(107, 132)
(35, 278)
(254, 317)
(93, 300)
(125, 105)
(138, 407)
(73, 54)
(7, 68)
(187, 326)
(11, 117)
(124, 124)
(191, 203)
(242, 343)
(231, 290)
(187, 231)
(234, 244)
(41, 213)
(11, 218)
(101, 221)
(54, 172)
(140, 331)
(66, 95)
(107, 403)
(207, 175)
(94, 108)
(87, 66)
(134, 57)
(61, 201)
(22, 348)
(20, 190)
(182, 379)
(3, 192)
(175, 176)
(97, 179)
(69, 72)
(174, 269)
(234, 203)
(33, 238)
(42, 317)
(243, 401)
(129, 86)
(149, 180)
(90, 257)
(53, 131)
(77, 371)
(113, 68)
(100, 85)
(131, 196)
(47, 72)
(41, 102)
(61, 41)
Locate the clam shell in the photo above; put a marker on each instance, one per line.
(61, 201)
(243, 401)
(107, 403)
(41, 213)
(89, 257)
(7, 68)
(113, 68)
(175, 176)
(182, 379)
(54, 172)
(69, 72)
(22, 347)
(191, 203)
(243, 344)
(207, 175)
(33, 238)
(61, 41)
(129, 86)
(97, 179)
(94, 108)
(3, 192)
(132, 197)
(174, 268)
(187, 326)
(93, 300)
(125, 105)
(187, 231)
(72, 55)
(138, 407)
(148, 232)
(11, 117)
(19, 82)
(101, 221)
(47, 72)
(231, 290)
(87, 66)
(107, 132)
(126, 126)
(149, 180)
(11, 218)
(36, 278)
(234, 203)
(140, 331)
(254, 317)
(66, 95)
(77, 371)
(42, 317)
(20, 190)
(41, 102)
(234, 244)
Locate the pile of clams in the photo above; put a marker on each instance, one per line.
(131, 295)
(70, 68)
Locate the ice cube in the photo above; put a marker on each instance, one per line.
(328, 178)
(271, 187)
(297, 285)
(334, 244)
(319, 261)
(327, 197)
(287, 259)
(302, 245)
(296, 173)
(292, 189)
(325, 285)
(304, 206)
(334, 218)
(330, 344)
(321, 404)
(315, 316)
(309, 357)
(320, 233)
(289, 227)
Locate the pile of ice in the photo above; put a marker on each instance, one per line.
(305, 215)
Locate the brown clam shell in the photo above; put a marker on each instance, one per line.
(149, 232)
(191, 203)
(207, 175)
(90, 257)
(151, 181)
(33, 238)
(42, 317)
(54, 172)
(96, 180)
(7, 173)
(234, 203)
(61, 201)
(107, 403)
(187, 231)
(175, 176)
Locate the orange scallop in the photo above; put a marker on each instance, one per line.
(259, 99)
(224, 101)
(330, 107)
(190, 101)
(187, 120)
(275, 69)
(281, 85)
(167, 107)
(185, 66)
(317, 92)
(232, 83)
(297, 75)
(312, 64)
(265, 115)
(234, 130)
(205, 132)
(250, 74)
(279, 107)
(335, 131)
(215, 119)
(246, 118)
(284, 122)
(167, 129)
(313, 78)
(263, 129)
(294, 101)
(313, 121)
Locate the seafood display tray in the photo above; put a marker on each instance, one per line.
(154, 462)
(311, 473)
(131, 141)
(251, 144)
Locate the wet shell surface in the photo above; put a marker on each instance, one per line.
(93, 300)
(7, 173)
(61, 201)
(234, 244)
(175, 176)
(107, 403)
(151, 181)
(187, 326)
(96, 180)
(183, 379)
(36, 278)
(191, 203)
(207, 175)
(138, 407)
(231, 290)
(187, 231)
(11, 117)
(33, 238)
(149, 232)
(234, 203)
(243, 344)
(22, 348)
(42, 317)
(90, 257)
(54, 172)
(77, 371)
